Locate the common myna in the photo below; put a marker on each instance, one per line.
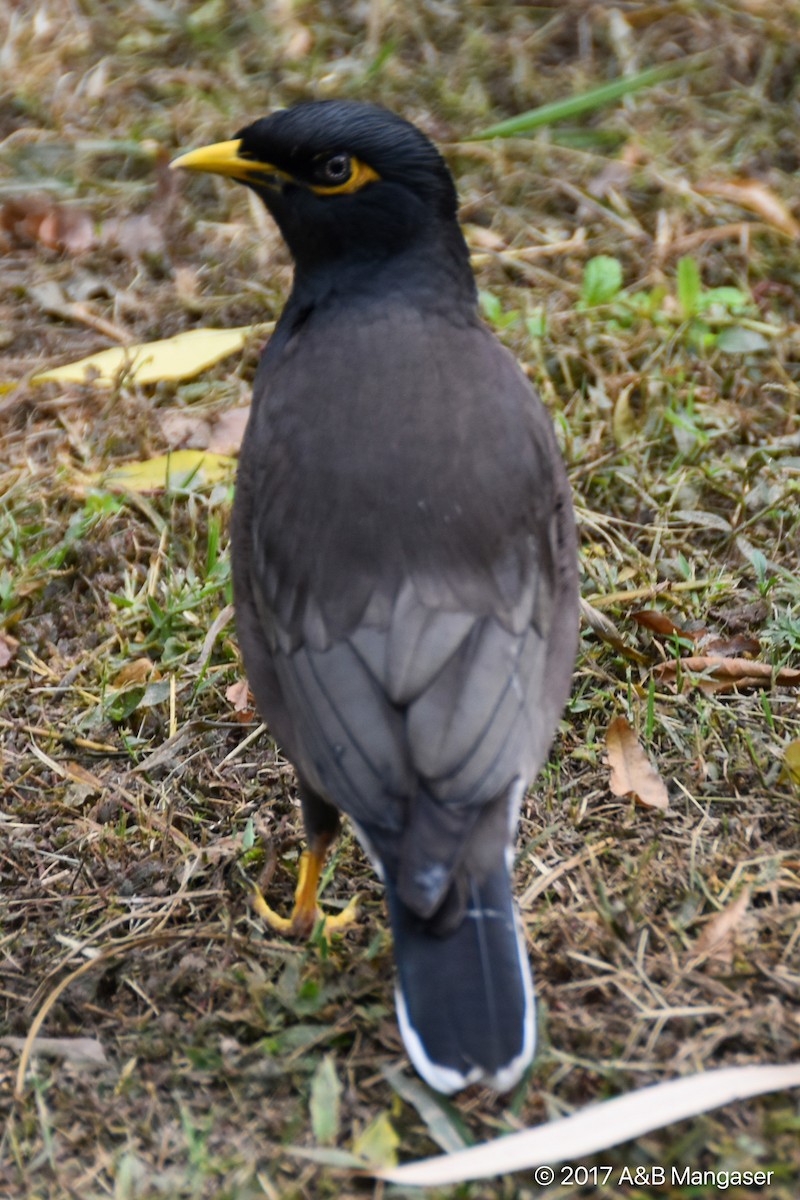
(404, 565)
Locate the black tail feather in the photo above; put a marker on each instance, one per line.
(465, 999)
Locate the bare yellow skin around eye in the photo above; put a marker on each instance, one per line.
(360, 175)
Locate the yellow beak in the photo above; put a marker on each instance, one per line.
(223, 158)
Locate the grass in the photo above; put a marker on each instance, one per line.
(138, 809)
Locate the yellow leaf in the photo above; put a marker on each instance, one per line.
(180, 357)
(377, 1145)
(791, 757)
(181, 470)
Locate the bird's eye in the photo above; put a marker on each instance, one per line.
(336, 169)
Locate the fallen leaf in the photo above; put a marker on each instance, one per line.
(658, 622)
(755, 197)
(791, 758)
(228, 430)
(326, 1089)
(735, 647)
(8, 648)
(68, 230)
(184, 431)
(81, 1051)
(182, 470)
(328, 1156)
(52, 299)
(376, 1146)
(180, 357)
(737, 340)
(597, 1127)
(632, 773)
(607, 631)
(707, 520)
(238, 695)
(20, 218)
(723, 674)
(444, 1126)
(40, 219)
(626, 420)
(717, 941)
(87, 779)
(169, 752)
(738, 617)
(134, 673)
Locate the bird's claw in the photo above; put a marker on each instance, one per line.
(306, 913)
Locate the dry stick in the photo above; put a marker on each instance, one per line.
(40, 731)
(649, 593)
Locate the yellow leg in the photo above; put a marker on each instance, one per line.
(306, 912)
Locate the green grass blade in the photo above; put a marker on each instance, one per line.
(607, 93)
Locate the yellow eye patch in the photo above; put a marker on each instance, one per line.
(360, 175)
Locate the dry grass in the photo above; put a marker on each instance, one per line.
(130, 876)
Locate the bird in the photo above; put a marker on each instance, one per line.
(404, 566)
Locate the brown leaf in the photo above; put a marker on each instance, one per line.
(40, 219)
(22, 217)
(723, 674)
(238, 694)
(739, 617)
(607, 631)
(184, 431)
(77, 773)
(228, 430)
(756, 197)
(134, 673)
(658, 622)
(717, 941)
(735, 647)
(632, 773)
(67, 229)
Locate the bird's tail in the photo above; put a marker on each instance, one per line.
(465, 998)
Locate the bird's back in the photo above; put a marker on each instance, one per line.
(386, 443)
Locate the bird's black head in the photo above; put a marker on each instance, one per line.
(344, 180)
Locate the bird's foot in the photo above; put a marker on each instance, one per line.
(306, 913)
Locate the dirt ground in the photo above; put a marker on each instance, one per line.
(641, 258)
